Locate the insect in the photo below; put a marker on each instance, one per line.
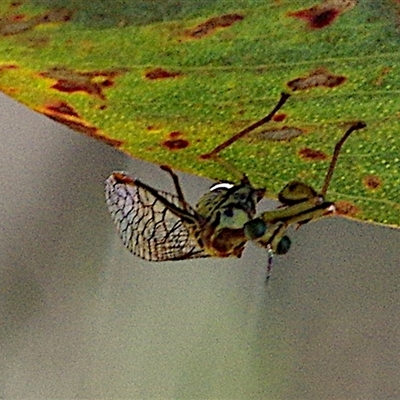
(159, 226)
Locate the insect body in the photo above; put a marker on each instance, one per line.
(160, 226)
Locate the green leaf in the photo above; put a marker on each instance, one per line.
(167, 81)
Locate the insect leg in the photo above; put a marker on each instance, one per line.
(356, 126)
(176, 182)
(179, 212)
(233, 139)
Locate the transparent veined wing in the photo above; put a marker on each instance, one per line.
(150, 222)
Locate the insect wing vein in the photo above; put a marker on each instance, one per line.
(147, 227)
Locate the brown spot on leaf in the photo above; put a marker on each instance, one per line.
(206, 156)
(11, 91)
(175, 134)
(160, 73)
(7, 67)
(346, 208)
(212, 24)
(372, 182)
(91, 82)
(64, 113)
(284, 133)
(18, 17)
(378, 81)
(324, 14)
(154, 128)
(18, 23)
(56, 15)
(62, 107)
(37, 41)
(312, 155)
(316, 17)
(175, 144)
(319, 77)
(279, 117)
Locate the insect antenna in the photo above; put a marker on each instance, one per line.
(230, 168)
(356, 126)
(245, 131)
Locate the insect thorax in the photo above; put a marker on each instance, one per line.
(226, 208)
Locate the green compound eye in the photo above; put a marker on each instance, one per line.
(255, 228)
(284, 245)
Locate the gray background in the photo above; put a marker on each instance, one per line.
(80, 317)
